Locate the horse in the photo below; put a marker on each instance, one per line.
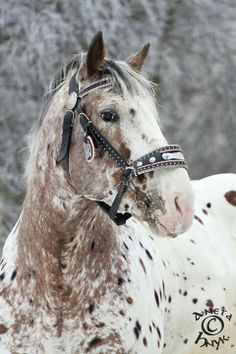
(86, 269)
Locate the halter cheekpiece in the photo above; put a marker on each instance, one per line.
(166, 157)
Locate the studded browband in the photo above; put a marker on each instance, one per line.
(169, 156)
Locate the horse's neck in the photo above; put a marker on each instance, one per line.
(58, 236)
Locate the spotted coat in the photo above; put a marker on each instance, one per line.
(123, 290)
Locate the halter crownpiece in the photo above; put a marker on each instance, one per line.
(169, 156)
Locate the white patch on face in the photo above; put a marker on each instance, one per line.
(141, 132)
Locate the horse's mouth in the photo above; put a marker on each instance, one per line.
(150, 213)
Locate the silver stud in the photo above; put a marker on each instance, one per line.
(139, 164)
(152, 159)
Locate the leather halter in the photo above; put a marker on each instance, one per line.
(166, 157)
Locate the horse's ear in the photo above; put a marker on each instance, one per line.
(136, 61)
(95, 55)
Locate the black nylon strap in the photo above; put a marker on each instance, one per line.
(97, 84)
(66, 139)
(90, 129)
(118, 218)
(73, 86)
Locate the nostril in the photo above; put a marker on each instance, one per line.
(177, 205)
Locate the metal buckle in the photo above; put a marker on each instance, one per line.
(133, 169)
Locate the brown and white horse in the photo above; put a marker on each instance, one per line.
(71, 280)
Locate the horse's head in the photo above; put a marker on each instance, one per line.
(121, 106)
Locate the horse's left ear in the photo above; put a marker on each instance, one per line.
(95, 55)
(136, 61)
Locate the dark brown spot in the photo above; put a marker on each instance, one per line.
(149, 254)
(91, 308)
(231, 197)
(156, 298)
(198, 219)
(92, 245)
(120, 281)
(158, 332)
(185, 293)
(208, 205)
(85, 326)
(129, 300)
(136, 332)
(132, 112)
(126, 246)
(185, 341)
(100, 325)
(100, 153)
(124, 256)
(145, 341)
(96, 341)
(121, 312)
(125, 151)
(163, 287)
(2, 276)
(141, 179)
(160, 293)
(142, 265)
(209, 304)
(3, 329)
(195, 301)
(204, 211)
(151, 174)
(138, 325)
(117, 176)
(169, 299)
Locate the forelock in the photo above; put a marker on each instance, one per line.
(127, 80)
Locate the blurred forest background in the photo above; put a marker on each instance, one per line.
(192, 58)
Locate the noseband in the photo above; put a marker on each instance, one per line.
(169, 156)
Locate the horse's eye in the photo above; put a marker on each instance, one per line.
(109, 116)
